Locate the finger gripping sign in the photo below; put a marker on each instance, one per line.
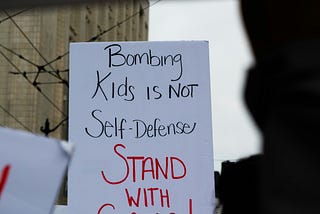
(140, 114)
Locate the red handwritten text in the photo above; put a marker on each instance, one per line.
(105, 206)
(148, 197)
(4, 178)
(149, 166)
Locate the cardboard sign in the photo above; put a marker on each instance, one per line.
(31, 170)
(140, 114)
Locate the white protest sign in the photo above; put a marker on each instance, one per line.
(60, 209)
(31, 171)
(140, 114)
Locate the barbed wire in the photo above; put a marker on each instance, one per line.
(31, 63)
(18, 55)
(13, 15)
(33, 84)
(16, 119)
(34, 72)
(46, 128)
(40, 68)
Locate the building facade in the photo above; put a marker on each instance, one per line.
(34, 52)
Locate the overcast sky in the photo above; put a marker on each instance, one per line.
(219, 22)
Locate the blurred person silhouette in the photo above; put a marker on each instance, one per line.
(238, 186)
(282, 93)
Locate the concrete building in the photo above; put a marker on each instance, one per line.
(34, 56)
